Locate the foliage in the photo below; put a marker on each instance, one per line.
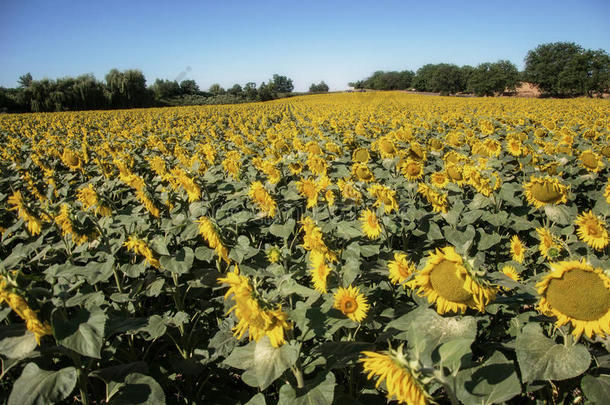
(269, 253)
(318, 88)
(488, 79)
(566, 69)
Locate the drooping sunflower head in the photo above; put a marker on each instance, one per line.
(361, 172)
(352, 303)
(370, 224)
(401, 379)
(542, 191)
(576, 292)
(591, 161)
(447, 283)
(592, 230)
(319, 270)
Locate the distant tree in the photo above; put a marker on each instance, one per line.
(25, 80)
(216, 89)
(265, 92)
(281, 84)
(447, 79)
(235, 90)
(488, 79)
(189, 87)
(466, 72)
(357, 84)
(164, 89)
(423, 77)
(545, 64)
(250, 91)
(127, 89)
(318, 88)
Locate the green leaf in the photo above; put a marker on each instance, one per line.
(180, 262)
(454, 353)
(263, 362)
(425, 330)
(159, 245)
(461, 240)
(258, 399)
(596, 389)
(42, 387)
(540, 358)
(508, 192)
(138, 389)
(205, 254)
(341, 354)
(560, 214)
(283, 230)
(16, 341)
(318, 392)
(348, 230)
(488, 240)
(493, 382)
(82, 331)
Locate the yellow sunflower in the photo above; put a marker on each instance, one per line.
(548, 246)
(370, 224)
(352, 303)
(361, 155)
(517, 249)
(262, 199)
(447, 283)
(439, 179)
(400, 379)
(319, 270)
(576, 292)
(592, 230)
(412, 169)
(607, 192)
(385, 196)
(542, 191)
(209, 231)
(362, 172)
(511, 273)
(400, 268)
(591, 161)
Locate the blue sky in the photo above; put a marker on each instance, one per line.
(240, 41)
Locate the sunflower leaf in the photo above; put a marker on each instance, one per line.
(540, 358)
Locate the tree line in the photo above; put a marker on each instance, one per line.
(128, 89)
(560, 69)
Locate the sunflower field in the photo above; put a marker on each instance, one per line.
(331, 249)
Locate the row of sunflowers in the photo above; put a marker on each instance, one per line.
(343, 248)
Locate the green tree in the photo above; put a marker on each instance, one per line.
(25, 80)
(189, 87)
(487, 79)
(250, 91)
(216, 89)
(545, 64)
(318, 88)
(164, 89)
(236, 90)
(281, 84)
(447, 79)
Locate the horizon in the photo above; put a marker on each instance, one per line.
(237, 42)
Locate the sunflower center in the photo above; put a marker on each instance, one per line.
(349, 305)
(546, 193)
(446, 282)
(403, 271)
(593, 229)
(579, 294)
(412, 169)
(589, 160)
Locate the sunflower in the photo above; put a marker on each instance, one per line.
(361, 155)
(548, 246)
(517, 249)
(455, 173)
(591, 161)
(576, 292)
(438, 200)
(592, 230)
(400, 378)
(607, 192)
(385, 196)
(362, 172)
(446, 282)
(352, 303)
(273, 254)
(308, 188)
(261, 197)
(140, 247)
(412, 169)
(400, 268)
(514, 147)
(439, 179)
(510, 272)
(542, 191)
(370, 224)
(348, 191)
(17, 203)
(319, 270)
(210, 233)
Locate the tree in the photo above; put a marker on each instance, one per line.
(423, 77)
(545, 64)
(25, 80)
(164, 89)
(488, 79)
(265, 92)
(127, 89)
(216, 89)
(235, 90)
(250, 91)
(281, 84)
(447, 79)
(318, 88)
(189, 87)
